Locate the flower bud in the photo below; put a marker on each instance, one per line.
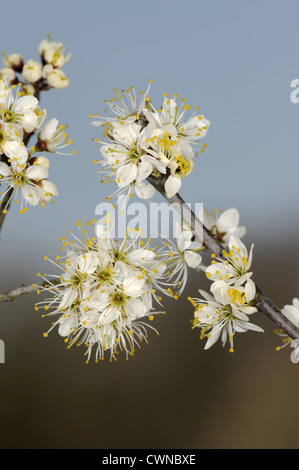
(54, 55)
(43, 45)
(32, 71)
(10, 73)
(27, 89)
(56, 78)
(46, 134)
(15, 61)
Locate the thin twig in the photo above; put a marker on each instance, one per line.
(263, 304)
(9, 296)
(32, 289)
(5, 203)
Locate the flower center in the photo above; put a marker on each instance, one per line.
(237, 296)
(19, 179)
(9, 116)
(104, 275)
(2, 137)
(166, 142)
(183, 167)
(118, 299)
(76, 280)
(119, 256)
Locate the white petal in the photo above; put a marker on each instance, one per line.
(25, 103)
(292, 314)
(250, 290)
(214, 336)
(236, 242)
(37, 172)
(206, 295)
(4, 169)
(140, 256)
(192, 259)
(15, 149)
(135, 309)
(126, 174)
(88, 262)
(29, 193)
(172, 185)
(68, 298)
(143, 171)
(67, 326)
(48, 129)
(134, 287)
(144, 191)
(47, 190)
(228, 220)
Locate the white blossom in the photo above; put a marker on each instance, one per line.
(166, 147)
(52, 137)
(53, 53)
(291, 312)
(14, 61)
(223, 225)
(9, 73)
(127, 161)
(56, 78)
(126, 107)
(106, 289)
(29, 179)
(235, 269)
(27, 89)
(32, 71)
(180, 257)
(21, 110)
(171, 114)
(11, 141)
(225, 312)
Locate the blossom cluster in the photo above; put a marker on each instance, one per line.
(21, 168)
(227, 308)
(291, 312)
(108, 288)
(38, 75)
(145, 141)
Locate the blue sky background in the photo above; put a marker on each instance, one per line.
(235, 59)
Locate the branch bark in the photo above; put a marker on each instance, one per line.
(263, 304)
(9, 296)
(32, 289)
(6, 205)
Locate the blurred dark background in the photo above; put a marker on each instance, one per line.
(171, 394)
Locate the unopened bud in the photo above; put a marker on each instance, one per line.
(10, 73)
(15, 61)
(27, 89)
(32, 71)
(56, 78)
